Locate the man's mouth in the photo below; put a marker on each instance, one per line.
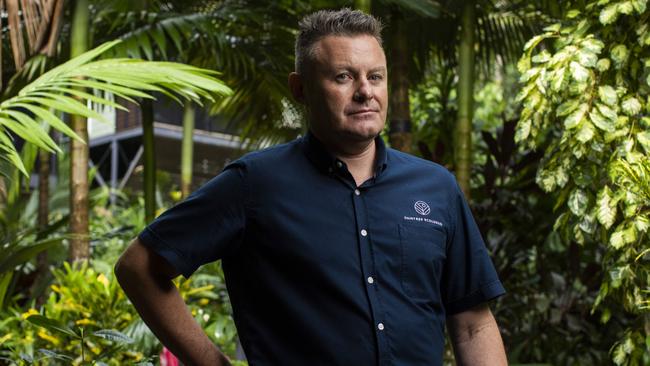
(363, 112)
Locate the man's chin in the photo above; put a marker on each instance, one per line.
(361, 136)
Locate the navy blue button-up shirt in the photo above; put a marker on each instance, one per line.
(322, 272)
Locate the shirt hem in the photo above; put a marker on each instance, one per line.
(484, 294)
(149, 238)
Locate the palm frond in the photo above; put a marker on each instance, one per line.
(423, 8)
(57, 90)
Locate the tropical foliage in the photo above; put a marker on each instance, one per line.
(558, 151)
(586, 103)
(126, 78)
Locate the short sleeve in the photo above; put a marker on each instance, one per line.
(204, 227)
(469, 277)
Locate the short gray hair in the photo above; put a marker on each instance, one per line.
(343, 22)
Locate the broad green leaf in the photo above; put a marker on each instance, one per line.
(625, 8)
(642, 223)
(579, 73)
(578, 201)
(593, 45)
(24, 254)
(113, 335)
(616, 240)
(640, 7)
(567, 107)
(574, 119)
(58, 356)
(631, 106)
(541, 57)
(607, 112)
(533, 42)
(51, 325)
(587, 59)
(609, 14)
(619, 55)
(586, 132)
(578, 235)
(603, 64)
(553, 27)
(606, 210)
(600, 121)
(608, 95)
(629, 234)
(644, 139)
(558, 79)
(523, 130)
(531, 73)
(5, 280)
(573, 13)
(588, 224)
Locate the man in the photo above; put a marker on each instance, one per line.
(336, 249)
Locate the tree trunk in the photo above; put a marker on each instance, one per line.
(187, 151)
(463, 145)
(400, 114)
(79, 243)
(42, 222)
(149, 158)
(363, 5)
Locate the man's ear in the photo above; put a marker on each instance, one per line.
(297, 88)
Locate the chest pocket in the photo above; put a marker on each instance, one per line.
(423, 255)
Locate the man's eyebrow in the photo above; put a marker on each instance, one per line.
(378, 69)
(352, 68)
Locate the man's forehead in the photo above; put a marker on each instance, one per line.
(342, 51)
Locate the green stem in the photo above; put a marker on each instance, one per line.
(79, 242)
(149, 158)
(463, 144)
(187, 150)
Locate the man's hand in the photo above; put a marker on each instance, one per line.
(146, 279)
(476, 339)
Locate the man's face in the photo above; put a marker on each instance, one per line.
(345, 88)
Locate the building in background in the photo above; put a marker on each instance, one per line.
(116, 148)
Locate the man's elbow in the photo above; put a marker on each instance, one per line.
(130, 262)
(140, 261)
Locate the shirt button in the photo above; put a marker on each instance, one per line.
(364, 232)
(339, 164)
(371, 280)
(380, 326)
(357, 192)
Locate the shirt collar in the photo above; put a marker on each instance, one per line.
(326, 162)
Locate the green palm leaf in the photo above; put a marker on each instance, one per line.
(57, 90)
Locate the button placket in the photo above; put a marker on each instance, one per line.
(369, 271)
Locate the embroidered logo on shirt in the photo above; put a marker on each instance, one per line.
(422, 208)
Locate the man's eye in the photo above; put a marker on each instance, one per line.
(376, 77)
(343, 77)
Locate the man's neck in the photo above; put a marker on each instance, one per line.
(359, 157)
(362, 164)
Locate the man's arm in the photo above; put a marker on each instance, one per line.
(146, 279)
(476, 339)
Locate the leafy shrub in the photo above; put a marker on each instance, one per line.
(587, 91)
(87, 318)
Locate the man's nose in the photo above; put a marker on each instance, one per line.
(364, 91)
